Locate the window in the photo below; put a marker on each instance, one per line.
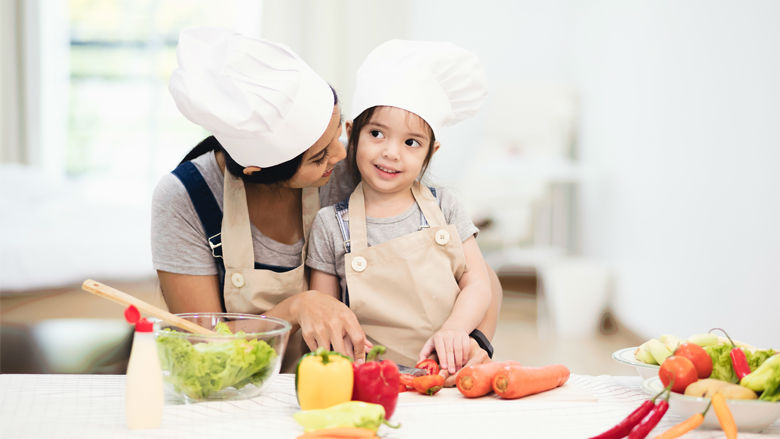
(122, 122)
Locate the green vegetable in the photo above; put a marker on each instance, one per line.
(347, 414)
(765, 379)
(722, 368)
(721, 362)
(202, 369)
(705, 339)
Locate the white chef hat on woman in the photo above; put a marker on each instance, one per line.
(261, 101)
(439, 81)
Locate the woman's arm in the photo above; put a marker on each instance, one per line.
(305, 310)
(348, 327)
(189, 293)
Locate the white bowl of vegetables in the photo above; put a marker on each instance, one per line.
(237, 362)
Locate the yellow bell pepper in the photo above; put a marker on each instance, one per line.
(323, 379)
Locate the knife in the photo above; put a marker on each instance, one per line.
(411, 370)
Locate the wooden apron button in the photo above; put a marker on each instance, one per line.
(359, 263)
(442, 237)
(237, 279)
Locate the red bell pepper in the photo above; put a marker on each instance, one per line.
(377, 382)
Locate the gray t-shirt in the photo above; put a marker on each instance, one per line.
(326, 243)
(179, 242)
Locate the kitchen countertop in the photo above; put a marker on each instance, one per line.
(92, 406)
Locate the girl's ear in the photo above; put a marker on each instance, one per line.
(348, 126)
(249, 170)
(436, 146)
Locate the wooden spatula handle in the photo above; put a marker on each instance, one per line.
(117, 296)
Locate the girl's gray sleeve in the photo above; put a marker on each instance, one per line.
(321, 253)
(455, 213)
(178, 241)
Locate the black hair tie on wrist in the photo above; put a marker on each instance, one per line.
(482, 341)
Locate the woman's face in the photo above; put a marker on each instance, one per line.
(318, 161)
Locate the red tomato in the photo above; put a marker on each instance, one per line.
(699, 357)
(678, 370)
(430, 365)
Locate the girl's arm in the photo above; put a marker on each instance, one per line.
(451, 342)
(474, 298)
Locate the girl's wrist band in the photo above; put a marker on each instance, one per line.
(482, 341)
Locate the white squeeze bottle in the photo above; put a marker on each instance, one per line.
(144, 389)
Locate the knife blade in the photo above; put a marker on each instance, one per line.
(411, 370)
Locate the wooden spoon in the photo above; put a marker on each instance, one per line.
(117, 296)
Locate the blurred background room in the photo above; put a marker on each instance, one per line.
(624, 170)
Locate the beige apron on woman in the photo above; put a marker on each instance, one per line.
(404, 289)
(254, 291)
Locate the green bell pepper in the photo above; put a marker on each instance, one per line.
(348, 414)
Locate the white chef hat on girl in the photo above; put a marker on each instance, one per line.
(261, 101)
(439, 81)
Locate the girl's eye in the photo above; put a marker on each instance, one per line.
(376, 133)
(413, 143)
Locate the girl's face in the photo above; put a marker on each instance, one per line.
(318, 161)
(391, 150)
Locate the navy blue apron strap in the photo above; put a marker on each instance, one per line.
(210, 215)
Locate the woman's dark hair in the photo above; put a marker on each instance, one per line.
(272, 174)
(352, 143)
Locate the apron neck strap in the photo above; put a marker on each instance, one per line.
(237, 249)
(428, 205)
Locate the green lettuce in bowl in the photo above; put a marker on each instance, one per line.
(231, 364)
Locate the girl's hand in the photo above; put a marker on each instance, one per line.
(452, 348)
(328, 323)
(477, 356)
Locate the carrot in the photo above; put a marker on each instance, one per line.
(477, 380)
(685, 426)
(725, 417)
(339, 433)
(517, 381)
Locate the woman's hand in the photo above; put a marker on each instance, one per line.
(477, 355)
(326, 322)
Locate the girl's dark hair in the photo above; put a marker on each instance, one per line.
(272, 174)
(352, 143)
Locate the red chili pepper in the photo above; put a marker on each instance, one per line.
(430, 365)
(428, 384)
(377, 382)
(738, 359)
(624, 427)
(641, 431)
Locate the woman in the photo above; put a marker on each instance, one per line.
(276, 127)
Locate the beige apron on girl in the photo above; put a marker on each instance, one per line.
(404, 289)
(254, 291)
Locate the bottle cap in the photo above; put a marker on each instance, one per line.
(143, 325)
(132, 315)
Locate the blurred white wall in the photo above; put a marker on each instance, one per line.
(681, 130)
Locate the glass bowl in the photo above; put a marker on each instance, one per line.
(750, 415)
(626, 356)
(237, 362)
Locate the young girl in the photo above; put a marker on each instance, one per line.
(401, 255)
